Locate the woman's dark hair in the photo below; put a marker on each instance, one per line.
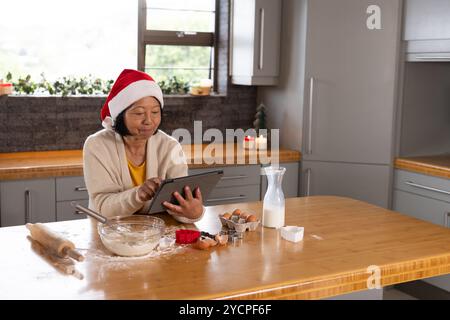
(122, 129)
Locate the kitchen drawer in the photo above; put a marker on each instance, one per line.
(428, 186)
(235, 175)
(65, 211)
(71, 188)
(431, 210)
(233, 195)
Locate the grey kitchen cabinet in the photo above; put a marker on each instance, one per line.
(426, 20)
(427, 30)
(350, 81)
(349, 98)
(424, 185)
(290, 182)
(23, 201)
(234, 175)
(442, 282)
(41, 200)
(65, 211)
(426, 198)
(238, 184)
(358, 181)
(423, 208)
(233, 194)
(70, 189)
(255, 41)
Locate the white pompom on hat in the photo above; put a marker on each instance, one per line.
(130, 86)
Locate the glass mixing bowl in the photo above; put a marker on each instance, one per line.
(135, 235)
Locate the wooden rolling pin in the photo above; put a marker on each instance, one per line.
(53, 241)
(64, 265)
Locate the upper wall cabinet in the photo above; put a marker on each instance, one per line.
(255, 42)
(427, 30)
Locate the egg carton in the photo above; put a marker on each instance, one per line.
(240, 225)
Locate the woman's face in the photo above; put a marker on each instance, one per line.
(143, 118)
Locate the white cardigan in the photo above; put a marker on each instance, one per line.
(107, 177)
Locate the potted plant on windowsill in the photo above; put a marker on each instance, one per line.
(70, 86)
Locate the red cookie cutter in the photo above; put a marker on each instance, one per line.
(186, 236)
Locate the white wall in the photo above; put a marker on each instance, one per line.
(285, 102)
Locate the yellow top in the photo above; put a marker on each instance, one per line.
(137, 173)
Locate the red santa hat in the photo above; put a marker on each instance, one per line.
(130, 86)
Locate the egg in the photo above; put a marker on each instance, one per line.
(226, 215)
(211, 242)
(244, 216)
(237, 212)
(201, 244)
(252, 218)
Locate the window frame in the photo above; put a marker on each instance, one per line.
(176, 38)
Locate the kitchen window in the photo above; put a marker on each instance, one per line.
(71, 38)
(177, 38)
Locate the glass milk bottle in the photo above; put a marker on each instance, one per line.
(273, 206)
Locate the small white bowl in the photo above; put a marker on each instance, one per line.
(292, 233)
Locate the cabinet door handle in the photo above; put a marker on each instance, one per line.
(261, 39)
(415, 185)
(446, 219)
(308, 182)
(433, 58)
(234, 177)
(27, 206)
(80, 189)
(310, 118)
(227, 199)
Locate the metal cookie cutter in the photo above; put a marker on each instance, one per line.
(236, 238)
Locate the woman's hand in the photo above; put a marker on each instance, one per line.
(148, 189)
(190, 207)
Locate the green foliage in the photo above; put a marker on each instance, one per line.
(174, 86)
(26, 85)
(69, 86)
(183, 62)
(65, 86)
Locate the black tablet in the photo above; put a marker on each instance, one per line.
(205, 181)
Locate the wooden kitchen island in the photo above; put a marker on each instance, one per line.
(343, 237)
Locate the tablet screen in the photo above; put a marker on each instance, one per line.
(205, 181)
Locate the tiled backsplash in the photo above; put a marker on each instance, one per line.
(56, 123)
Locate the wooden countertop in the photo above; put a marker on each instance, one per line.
(343, 237)
(28, 165)
(438, 166)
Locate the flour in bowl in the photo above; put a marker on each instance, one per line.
(165, 246)
(131, 244)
